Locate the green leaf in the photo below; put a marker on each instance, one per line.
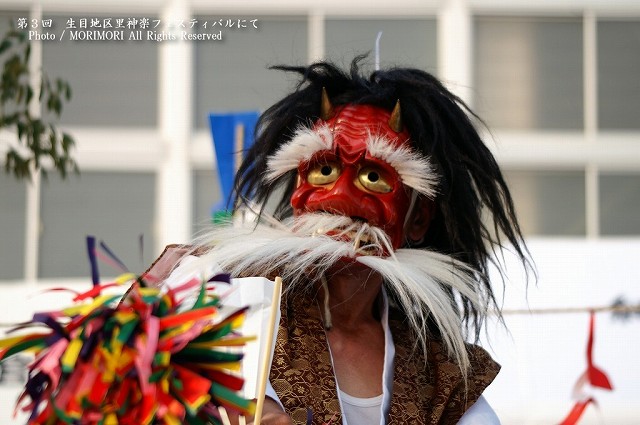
(13, 67)
(21, 129)
(58, 106)
(53, 151)
(67, 142)
(21, 35)
(38, 135)
(29, 95)
(10, 119)
(18, 165)
(4, 46)
(62, 169)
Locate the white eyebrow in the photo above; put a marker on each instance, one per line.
(415, 170)
(304, 144)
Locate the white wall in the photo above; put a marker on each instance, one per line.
(542, 355)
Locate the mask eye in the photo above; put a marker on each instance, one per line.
(322, 174)
(374, 180)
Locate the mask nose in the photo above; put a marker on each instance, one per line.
(342, 198)
(344, 187)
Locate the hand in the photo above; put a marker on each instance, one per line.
(272, 414)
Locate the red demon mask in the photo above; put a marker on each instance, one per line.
(354, 175)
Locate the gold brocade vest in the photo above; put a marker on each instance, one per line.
(431, 392)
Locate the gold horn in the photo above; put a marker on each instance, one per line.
(326, 109)
(395, 121)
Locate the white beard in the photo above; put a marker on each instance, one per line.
(300, 251)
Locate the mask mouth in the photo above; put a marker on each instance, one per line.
(365, 239)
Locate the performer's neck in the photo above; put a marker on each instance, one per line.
(354, 292)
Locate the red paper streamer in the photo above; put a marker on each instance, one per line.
(593, 375)
(597, 377)
(577, 411)
(127, 359)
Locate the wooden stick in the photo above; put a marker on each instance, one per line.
(224, 416)
(238, 146)
(266, 353)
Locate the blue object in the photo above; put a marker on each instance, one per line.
(223, 127)
(93, 262)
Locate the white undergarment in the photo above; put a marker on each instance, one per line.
(361, 411)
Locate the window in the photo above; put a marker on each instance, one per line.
(12, 226)
(114, 207)
(549, 203)
(114, 83)
(404, 42)
(618, 83)
(528, 72)
(233, 75)
(206, 192)
(619, 204)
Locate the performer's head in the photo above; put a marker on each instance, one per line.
(356, 161)
(389, 172)
(395, 149)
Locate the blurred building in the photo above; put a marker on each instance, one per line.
(555, 80)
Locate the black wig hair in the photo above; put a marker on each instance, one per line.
(474, 210)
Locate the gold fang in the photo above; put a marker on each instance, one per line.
(395, 121)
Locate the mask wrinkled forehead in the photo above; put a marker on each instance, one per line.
(355, 124)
